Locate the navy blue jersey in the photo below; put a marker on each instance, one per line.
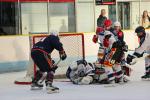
(48, 44)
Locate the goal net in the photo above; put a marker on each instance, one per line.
(73, 45)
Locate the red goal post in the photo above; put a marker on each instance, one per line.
(73, 44)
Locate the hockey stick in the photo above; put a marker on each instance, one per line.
(55, 64)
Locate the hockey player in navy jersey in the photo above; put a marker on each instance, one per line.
(40, 54)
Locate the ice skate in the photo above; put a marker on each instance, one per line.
(146, 77)
(38, 80)
(51, 89)
(121, 80)
(36, 86)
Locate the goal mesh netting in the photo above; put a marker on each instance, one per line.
(73, 45)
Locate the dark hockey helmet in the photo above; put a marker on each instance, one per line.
(140, 29)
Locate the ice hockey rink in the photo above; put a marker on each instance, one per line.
(136, 89)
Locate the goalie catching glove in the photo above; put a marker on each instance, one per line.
(63, 55)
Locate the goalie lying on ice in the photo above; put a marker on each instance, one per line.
(80, 72)
(83, 73)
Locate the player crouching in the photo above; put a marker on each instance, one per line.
(40, 54)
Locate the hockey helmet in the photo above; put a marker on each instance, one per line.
(117, 24)
(140, 29)
(107, 23)
(107, 34)
(54, 32)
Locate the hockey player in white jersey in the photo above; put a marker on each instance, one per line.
(114, 49)
(144, 47)
(100, 32)
(107, 38)
(80, 72)
(119, 35)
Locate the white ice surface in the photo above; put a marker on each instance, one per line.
(136, 89)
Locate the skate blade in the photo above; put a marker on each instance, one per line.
(36, 88)
(110, 85)
(51, 92)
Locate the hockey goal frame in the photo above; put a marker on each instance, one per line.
(61, 34)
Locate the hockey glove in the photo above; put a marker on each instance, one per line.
(95, 38)
(130, 60)
(63, 55)
(138, 55)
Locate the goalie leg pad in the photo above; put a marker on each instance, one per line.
(86, 80)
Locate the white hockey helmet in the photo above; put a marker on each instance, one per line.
(107, 33)
(117, 23)
(54, 32)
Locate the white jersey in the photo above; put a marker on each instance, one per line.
(101, 37)
(78, 70)
(145, 46)
(112, 39)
